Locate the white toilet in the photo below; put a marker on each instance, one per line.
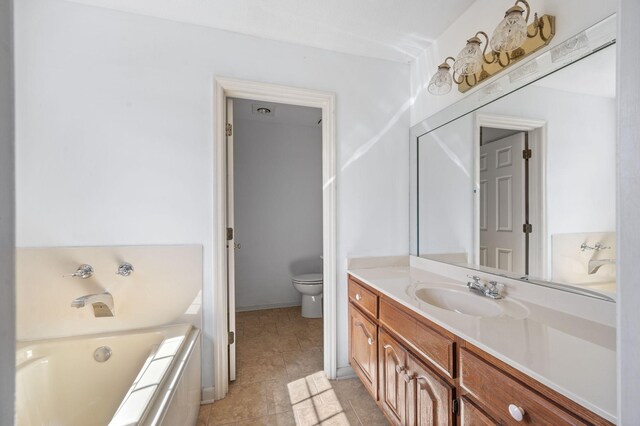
(310, 285)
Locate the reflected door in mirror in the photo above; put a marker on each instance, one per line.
(503, 244)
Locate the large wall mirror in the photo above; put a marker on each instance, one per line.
(524, 185)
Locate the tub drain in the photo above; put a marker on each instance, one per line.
(102, 354)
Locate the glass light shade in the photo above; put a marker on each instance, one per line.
(511, 33)
(469, 60)
(441, 82)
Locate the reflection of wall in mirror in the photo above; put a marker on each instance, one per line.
(445, 198)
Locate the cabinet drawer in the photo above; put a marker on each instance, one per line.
(432, 345)
(470, 415)
(495, 391)
(363, 349)
(363, 298)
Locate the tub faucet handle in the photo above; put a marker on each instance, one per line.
(84, 271)
(125, 269)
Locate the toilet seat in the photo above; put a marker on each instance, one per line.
(308, 279)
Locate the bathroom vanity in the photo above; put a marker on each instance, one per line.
(437, 363)
(505, 311)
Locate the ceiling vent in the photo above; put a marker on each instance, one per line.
(265, 110)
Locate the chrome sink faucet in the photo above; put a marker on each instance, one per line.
(492, 290)
(102, 303)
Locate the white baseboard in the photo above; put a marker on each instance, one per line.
(262, 307)
(345, 373)
(207, 396)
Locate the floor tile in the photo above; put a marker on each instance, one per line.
(203, 415)
(301, 363)
(254, 347)
(268, 367)
(255, 330)
(243, 402)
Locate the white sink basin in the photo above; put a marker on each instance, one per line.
(450, 298)
(457, 301)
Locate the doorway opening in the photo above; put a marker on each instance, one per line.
(510, 219)
(274, 209)
(269, 97)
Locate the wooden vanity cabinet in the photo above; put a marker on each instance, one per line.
(496, 387)
(429, 398)
(421, 374)
(392, 368)
(410, 392)
(363, 349)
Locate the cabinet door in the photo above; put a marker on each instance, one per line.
(392, 368)
(470, 415)
(363, 353)
(429, 397)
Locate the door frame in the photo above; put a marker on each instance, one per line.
(244, 89)
(537, 129)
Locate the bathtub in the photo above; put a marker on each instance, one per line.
(146, 377)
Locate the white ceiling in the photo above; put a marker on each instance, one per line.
(243, 109)
(386, 29)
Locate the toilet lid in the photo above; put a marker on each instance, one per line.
(308, 278)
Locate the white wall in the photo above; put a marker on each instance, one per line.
(146, 298)
(278, 209)
(628, 203)
(572, 16)
(7, 217)
(114, 121)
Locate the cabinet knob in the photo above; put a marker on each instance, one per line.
(370, 341)
(358, 297)
(400, 369)
(408, 378)
(516, 412)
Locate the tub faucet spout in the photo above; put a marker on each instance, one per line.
(102, 303)
(594, 265)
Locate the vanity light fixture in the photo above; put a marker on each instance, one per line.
(469, 60)
(511, 41)
(442, 81)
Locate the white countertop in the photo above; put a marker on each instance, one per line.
(572, 355)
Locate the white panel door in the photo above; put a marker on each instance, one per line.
(231, 280)
(502, 209)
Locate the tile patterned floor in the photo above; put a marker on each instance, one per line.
(280, 379)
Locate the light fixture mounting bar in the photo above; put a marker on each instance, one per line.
(544, 29)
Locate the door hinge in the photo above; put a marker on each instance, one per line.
(455, 406)
(232, 338)
(229, 129)
(229, 234)
(526, 154)
(527, 228)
